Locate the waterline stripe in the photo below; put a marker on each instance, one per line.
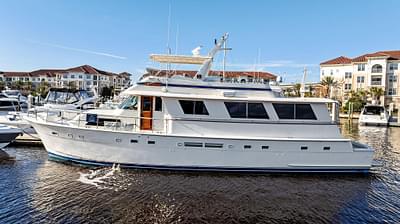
(55, 156)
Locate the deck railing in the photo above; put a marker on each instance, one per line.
(78, 118)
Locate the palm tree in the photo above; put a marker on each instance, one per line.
(329, 82)
(296, 89)
(376, 93)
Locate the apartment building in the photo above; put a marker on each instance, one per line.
(81, 77)
(379, 69)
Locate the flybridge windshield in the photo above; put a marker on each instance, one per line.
(12, 92)
(129, 103)
(67, 97)
(373, 110)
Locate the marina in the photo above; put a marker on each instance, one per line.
(193, 118)
(199, 112)
(35, 189)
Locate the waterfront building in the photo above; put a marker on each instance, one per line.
(379, 69)
(81, 77)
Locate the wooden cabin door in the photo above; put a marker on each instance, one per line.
(146, 113)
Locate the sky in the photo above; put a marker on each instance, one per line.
(281, 37)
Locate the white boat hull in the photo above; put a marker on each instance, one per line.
(153, 151)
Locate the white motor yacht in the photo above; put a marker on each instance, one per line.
(204, 124)
(374, 115)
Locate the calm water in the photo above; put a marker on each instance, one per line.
(34, 190)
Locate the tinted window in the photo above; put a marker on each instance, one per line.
(246, 110)
(158, 104)
(236, 110)
(6, 103)
(187, 106)
(305, 112)
(373, 110)
(200, 108)
(284, 111)
(193, 107)
(257, 110)
(146, 103)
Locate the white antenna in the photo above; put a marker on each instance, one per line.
(303, 83)
(258, 64)
(176, 45)
(169, 29)
(176, 39)
(168, 47)
(224, 62)
(224, 59)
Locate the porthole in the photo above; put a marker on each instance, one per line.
(134, 141)
(304, 148)
(247, 146)
(265, 147)
(327, 148)
(118, 140)
(213, 145)
(193, 144)
(151, 142)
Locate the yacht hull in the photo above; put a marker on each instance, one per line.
(97, 147)
(7, 135)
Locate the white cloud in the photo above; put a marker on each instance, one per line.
(78, 50)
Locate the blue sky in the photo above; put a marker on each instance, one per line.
(276, 36)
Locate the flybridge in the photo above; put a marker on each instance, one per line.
(204, 61)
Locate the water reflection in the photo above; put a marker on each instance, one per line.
(47, 191)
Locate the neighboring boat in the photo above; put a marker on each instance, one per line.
(7, 135)
(12, 100)
(57, 99)
(12, 105)
(67, 99)
(203, 124)
(13, 93)
(374, 115)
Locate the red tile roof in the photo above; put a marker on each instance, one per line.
(391, 55)
(86, 69)
(337, 61)
(16, 74)
(229, 74)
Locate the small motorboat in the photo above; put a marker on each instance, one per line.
(374, 115)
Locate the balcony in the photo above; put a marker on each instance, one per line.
(376, 80)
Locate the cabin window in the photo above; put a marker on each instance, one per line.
(294, 111)
(193, 107)
(246, 110)
(158, 104)
(305, 112)
(236, 110)
(284, 111)
(146, 104)
(257, 110)
(6, 103)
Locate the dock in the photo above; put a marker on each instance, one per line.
(27, 140)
